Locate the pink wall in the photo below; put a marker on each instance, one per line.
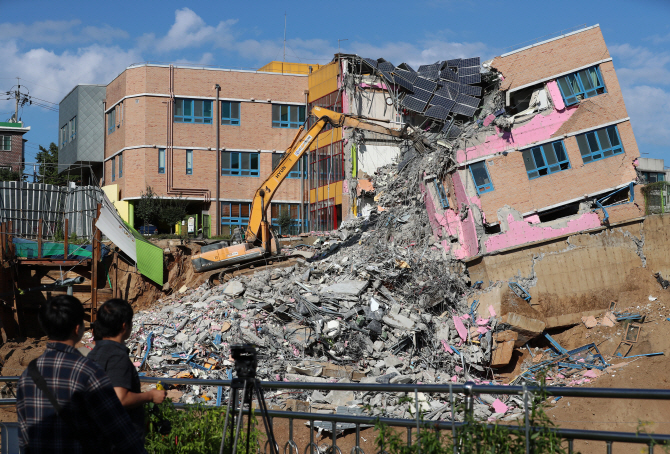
(541, 127)
(521, 232)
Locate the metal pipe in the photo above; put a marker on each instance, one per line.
(217, 209)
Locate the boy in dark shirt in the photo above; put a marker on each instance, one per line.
(112, 328)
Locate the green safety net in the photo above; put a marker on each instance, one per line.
(29, 250)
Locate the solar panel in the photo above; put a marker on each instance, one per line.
(464, 110)
(402, 82)
(432, 74)
(444, 102)
(447, 92)
(407, 75)
(387, 75)
(425, 84)
(467, 100)
(432, 67)
(371, 62)
(386, 66)
(468, 62)
(454, 87)
(453, 131)
(437, 112)
(423, 95)
(414, 104)
(470, 90)
(448, 74)
(406, 67)
(473, 79)
(467, 71)
(453, 63)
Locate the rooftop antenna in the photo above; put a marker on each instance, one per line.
(338, 44)
(284, 60)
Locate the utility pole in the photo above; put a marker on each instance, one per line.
(21, 99)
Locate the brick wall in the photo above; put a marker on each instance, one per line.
(14, 156)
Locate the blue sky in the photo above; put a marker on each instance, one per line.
(52, 46)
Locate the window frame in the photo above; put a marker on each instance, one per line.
(161, 154)
(192, 117)
(120, 165)
(293, 174)
(574, 97)
(113, 168)
(483, 188)
(296, 223)
(230, 120)
(239, 221)
(189, 162)
(288, 123)
(111, 121)
(237, 171)
(530, 156)
(4, 139)
(585, 140)
(441, 193)
(73, 128)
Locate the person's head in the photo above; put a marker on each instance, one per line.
(114, 317)
(62, 318)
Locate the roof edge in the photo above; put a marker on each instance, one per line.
(549, 40)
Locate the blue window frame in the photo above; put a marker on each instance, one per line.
(581, 84)
(441, 193)
(545, 159)
(599, 144)
(114, 168)
(234, 214)
(120, 165)
(295, 172)
(653, 177)
(240, 164)
(161, 160)
(193, 111)
(111, 121)
(189, 162)
(230, 113)
(480, 175)
(287, 116)
(293, 210)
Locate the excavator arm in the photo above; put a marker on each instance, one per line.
(300, 145)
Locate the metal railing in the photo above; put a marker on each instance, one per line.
(466, 392)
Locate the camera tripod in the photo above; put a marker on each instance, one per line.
(249, 385)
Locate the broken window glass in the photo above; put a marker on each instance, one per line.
(599, 144)
(582, 84)
(235, 163)
(545, 159)
(480, 175)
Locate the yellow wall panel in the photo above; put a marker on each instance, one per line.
(323, 81)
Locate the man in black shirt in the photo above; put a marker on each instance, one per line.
(111, 329)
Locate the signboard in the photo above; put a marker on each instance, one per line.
(191, 224)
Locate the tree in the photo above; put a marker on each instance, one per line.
(148, 209)
(284, 221)
(173, 210)
(48, 169)
(10, 175)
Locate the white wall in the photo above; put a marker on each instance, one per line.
(371, 157)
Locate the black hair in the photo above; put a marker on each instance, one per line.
(60, 315)
(111, 317)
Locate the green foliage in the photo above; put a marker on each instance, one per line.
(196, 430)
(173, 210)
(10, 175)
(149, 206)
(48, 169)
(284, 221)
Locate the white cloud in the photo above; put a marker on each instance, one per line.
(60, 33)
(647, 108)
(640, 65)
(60, 72)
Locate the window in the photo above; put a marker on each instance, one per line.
(481, 176)
(120, 165)
(324, 215)
(193, 111)
(653, 177)
(5, 143)
(114, 168)
(327, 164)
(161, 160)
(545, 159)
(295, 171)
(234, 214)
(582, 84)
(294, 211)
(332, 101)
(441, 193)
(111, 121)
(240, 164)
(599, 144)
(286, 116)
(73, 129)
(189, 162)
(230, 113)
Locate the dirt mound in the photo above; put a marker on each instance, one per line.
(15, 356)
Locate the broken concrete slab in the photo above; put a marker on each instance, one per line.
(398, 321)
(344, 289)
(234, 288)
(528, 328)
(502, 355)
(564, 320)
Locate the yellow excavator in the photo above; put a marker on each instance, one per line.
(260, 240)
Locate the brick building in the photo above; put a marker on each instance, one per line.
(161, 131)
(12, 145)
